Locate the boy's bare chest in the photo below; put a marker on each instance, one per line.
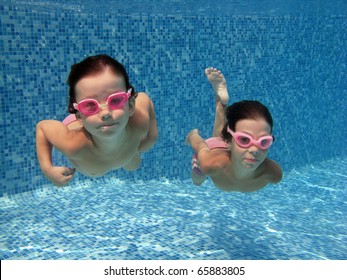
(229, 183)
(95, 163)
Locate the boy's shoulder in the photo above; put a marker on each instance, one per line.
(141, 116)
(143, 100)
(273, 170)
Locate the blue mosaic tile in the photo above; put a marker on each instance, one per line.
(291, 62)
(301, 218)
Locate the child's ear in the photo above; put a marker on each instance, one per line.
(131, 105)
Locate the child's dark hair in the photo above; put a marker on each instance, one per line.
(93, 65)
(246, 109)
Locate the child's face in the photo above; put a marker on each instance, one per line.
(251, 157)
(99, 87)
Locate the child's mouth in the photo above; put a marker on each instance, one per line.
(107, 126)
(251, 160)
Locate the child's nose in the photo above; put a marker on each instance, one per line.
(253, 149)
(105, 117)
(104, 112)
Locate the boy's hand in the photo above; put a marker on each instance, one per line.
(60, 175)
(194, 131)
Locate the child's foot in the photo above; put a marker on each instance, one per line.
(218, 83)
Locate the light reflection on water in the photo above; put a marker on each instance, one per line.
(303, 217)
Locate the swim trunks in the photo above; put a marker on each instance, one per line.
(212, 143)
(69, 119)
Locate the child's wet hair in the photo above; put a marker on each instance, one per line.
(246, 109)
(94, 65)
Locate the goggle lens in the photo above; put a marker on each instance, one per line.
(265, 143)
(243, 140)
(88, 107)
(117, 101)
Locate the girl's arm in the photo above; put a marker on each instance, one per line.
(51, 133)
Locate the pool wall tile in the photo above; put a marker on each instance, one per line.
(293, 64)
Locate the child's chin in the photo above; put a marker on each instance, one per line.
(251, 164)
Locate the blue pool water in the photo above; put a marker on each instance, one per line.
(304, 217)
(290, 55)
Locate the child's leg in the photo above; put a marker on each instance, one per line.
(198, 179)
(219, 119)
(219, 85)
(197, 176)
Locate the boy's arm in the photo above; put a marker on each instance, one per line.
(51, 133)
(152, 134)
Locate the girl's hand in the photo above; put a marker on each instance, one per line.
(60, 175)
(194, 131)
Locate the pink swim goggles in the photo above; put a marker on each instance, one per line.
(91, 106)
(245, 141)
